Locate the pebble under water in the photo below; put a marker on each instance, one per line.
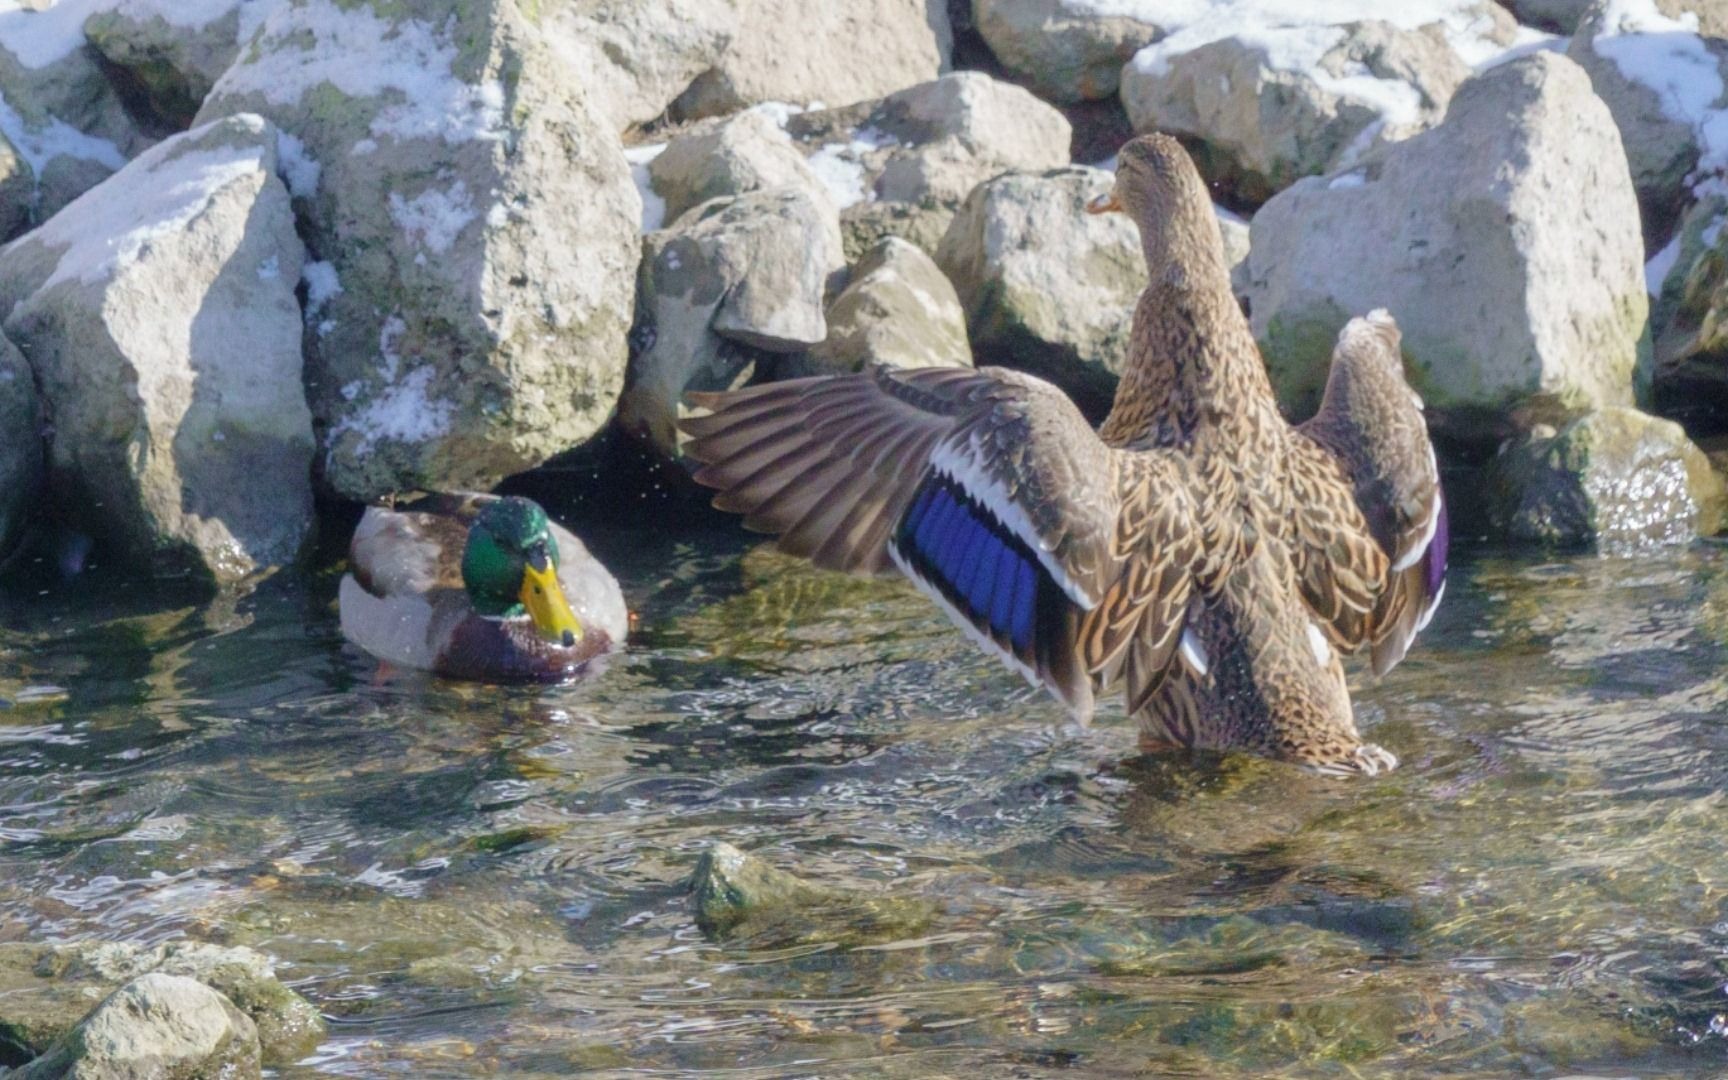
(476, 881)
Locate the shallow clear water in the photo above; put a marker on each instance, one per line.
(475, 881)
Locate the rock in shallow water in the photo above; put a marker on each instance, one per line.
(156, 1027)
(1616, 479)
(477, 229)
(1508, 296)
(739, 896)
(45, 990)
(1046, 286)
(158, 312)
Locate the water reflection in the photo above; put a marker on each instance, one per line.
(472, 880)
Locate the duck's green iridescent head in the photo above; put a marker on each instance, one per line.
(510, 568)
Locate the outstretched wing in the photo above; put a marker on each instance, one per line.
(1370, 518)
(987, 488)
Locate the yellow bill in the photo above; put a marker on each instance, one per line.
(544, 599)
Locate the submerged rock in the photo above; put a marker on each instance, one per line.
(1507, 297)
(45, 990)
(835, 53)
(739, 896)
(1615, 479)
(1046, 286)
(1069, 51)
(20, 445)
(731, 278)
(1262, 121)
(159, 315)
(156, 1027)
(898, 310)
(477, 231)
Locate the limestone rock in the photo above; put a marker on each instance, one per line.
(1508, 297)
(1615, 479)
(833, 53)
(634, 59)
(863, 225)
(156, 1027)
(158, 312)
(747, 152)
(730, 277)
(922, 150)
(1259, 125)
(173, 51)
(1662, 80)
(1556, 16)
(476, 228)
(46, 989)
(1068, 51)
(20, 445)
(898, 310)
(1046, 286)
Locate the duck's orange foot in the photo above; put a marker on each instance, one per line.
(386, 671)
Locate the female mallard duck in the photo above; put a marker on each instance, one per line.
(478, 587)
(1196, 549)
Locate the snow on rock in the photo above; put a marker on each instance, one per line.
(635, 58)
(158, 311)
(1508, 298)
(839, 53)
(174, 50)
(465, 190)
(902, 165)
(1662, 73)
(1280, 89)
(1067, 50)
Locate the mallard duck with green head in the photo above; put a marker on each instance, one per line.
(479, 587)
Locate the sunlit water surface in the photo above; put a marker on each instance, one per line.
(473, 881)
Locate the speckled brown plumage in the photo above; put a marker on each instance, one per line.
(1196, 551)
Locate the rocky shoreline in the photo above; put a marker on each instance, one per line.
(267, 252)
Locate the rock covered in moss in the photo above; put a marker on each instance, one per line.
(156, 1027)
(738, 895)
(476, 232)
(1614, 479)
(159, 314)
(1046, 286)
(898, 309)
(45, 990)
(1508, 297)
(730, 280)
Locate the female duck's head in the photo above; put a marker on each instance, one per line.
(1158, 186)
(510, 569)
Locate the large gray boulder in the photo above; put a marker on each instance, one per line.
(1068, 50)
(158, 312)
(480, 230)
(1660, 68)
(832, 53)
(898, 310)
(174, 51)
(1614, 479)
(1046, 286)
(20, 445)
(66, 120)
(731, 279)
(902, 165)
(634, 59)
(45, 990)
(1268, 108)
(156, 1027)
(1508, 296)
(747, 152)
